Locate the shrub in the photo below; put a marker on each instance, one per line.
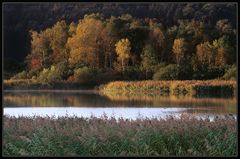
(83, 74)
(65, 70)
(49, 75)
(71, 78)
(230, 73)
(134, 73)
(170, 72)
(33, 73)
(43, 75)
(20, 75)
(208, 73)
(159, 66)
(108, 75)
(185, 72)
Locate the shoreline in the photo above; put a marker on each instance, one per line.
(53, 90)
(175, 87)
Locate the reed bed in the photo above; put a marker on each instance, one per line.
(73, 136)
(188, 87)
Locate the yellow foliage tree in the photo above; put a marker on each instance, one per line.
(85, 44)
(220, 52)
(179, 49)
(205, 54)
(123, 48)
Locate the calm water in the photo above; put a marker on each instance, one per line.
(90, 103)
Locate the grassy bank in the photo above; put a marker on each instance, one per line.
(77, 136)
(25, 84)
(189, 87)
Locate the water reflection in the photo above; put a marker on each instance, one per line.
(85, 103)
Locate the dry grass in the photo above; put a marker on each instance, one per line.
(188, 87)
(19, 81)
(72, 136)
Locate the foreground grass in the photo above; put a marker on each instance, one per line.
(188, 87)
(72, 136)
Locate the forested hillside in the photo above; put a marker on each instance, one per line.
(135, 41)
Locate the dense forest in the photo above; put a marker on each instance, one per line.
(89, 42)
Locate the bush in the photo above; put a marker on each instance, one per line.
(20, 75)
(34, 73)
(108, 75)
(230, 73)
(185, 72)
(66, 71)
(159, 66)
(84, 74)
(170, 72)
(49, 75)
(134, 73)
(208, 73)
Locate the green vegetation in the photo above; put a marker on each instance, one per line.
(20, 75)
(72, 136)
(170, 72)
(38, 85)
(83, 74)
(231, 73)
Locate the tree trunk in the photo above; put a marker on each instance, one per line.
(122, 65)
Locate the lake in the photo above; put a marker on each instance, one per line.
(92, 103)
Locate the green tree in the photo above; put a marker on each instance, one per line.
(158, 38)
(149, 59)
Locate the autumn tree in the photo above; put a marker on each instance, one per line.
(219, 52)
(179, 50)
(224, 26)
(157, 35)
(72, 29)
(138, 34)
(40, 51)
(204, 54)
(227, 34)
(118, 42)
(109, 37)
(85, 45)
(123, 48)
(58, 36)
